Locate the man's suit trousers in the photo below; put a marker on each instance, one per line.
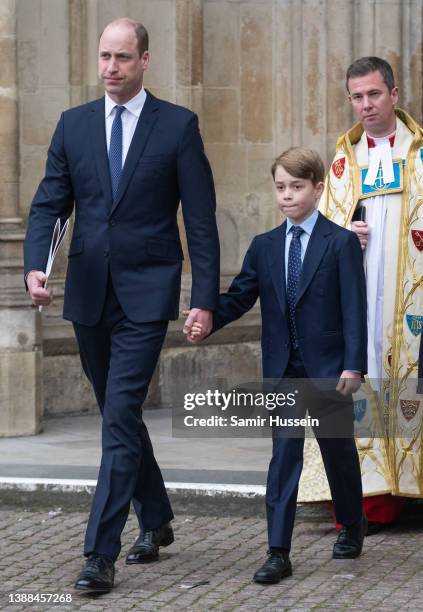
(119, 358)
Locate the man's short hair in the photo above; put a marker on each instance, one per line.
(141, 33)
(142, 37)
(302, 163)
(366, 65)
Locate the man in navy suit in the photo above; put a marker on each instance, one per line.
(308, 274)
(125, 161)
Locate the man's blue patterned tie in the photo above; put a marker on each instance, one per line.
(294, 271)
(115, 149)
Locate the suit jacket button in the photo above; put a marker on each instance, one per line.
(112, 223)
(106, 253)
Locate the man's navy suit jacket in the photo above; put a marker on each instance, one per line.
(136, 235)
(331, 309)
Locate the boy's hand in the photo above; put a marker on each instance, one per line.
(361, 229)
(196, 334)
(349, 382)
(198, 324)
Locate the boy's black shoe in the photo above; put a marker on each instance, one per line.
(350, 541)
(373, 528)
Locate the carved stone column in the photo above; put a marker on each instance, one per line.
(21, 356)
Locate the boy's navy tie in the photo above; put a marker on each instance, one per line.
(294, 271)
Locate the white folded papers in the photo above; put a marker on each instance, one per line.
(59, 233)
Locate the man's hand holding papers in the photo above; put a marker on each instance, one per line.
(37, 280)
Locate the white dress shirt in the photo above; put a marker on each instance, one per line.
(307, 226)
(130, 118)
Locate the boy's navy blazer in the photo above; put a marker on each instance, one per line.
(135, 235)
(331, 307)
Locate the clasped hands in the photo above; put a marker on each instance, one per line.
(198, 324)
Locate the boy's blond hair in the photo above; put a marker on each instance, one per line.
(302, 163)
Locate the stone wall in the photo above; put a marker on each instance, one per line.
(261, 74)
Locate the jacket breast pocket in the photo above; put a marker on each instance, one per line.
(150, 171)
(331, 333)
(326, 277)
(153, 159)
(328, 268)
(76, 247)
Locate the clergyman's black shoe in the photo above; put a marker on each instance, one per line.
(97, 576)
(373, 528)
(349, 543)
(146, 547)
(276, 567)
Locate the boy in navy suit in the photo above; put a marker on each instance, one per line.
(308, 274)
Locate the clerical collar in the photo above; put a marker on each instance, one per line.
(375, 142)
(380, 159)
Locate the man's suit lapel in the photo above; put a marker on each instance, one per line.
(147, 119)
(98, 140)
(276, 262)
(316, 248)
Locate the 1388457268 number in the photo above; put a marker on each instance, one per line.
(51, 598)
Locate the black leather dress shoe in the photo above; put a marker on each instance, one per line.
(276, 567)
(373, 528)
(146, 547)
(97, 576)
(350, 541)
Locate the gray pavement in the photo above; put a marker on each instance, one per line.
(219, 554)
(216, 487)
(70, 448)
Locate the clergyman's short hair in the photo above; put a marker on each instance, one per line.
(301, 162)
(366, 65)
